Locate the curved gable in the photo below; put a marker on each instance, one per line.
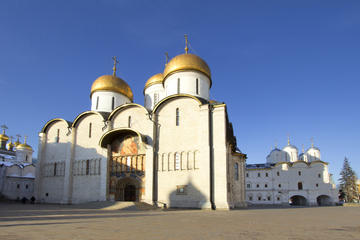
(52, 121)
(169, 98)
(126, 106)
(82, 115)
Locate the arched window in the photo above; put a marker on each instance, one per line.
(57, 139)
(178, 86)
(300, 185)
(97, 102)
(55, 169)
(129, 122)
(87, 167)
(90, 125)
(113, 103)
(197, 86)
(177, 161)
(177, 117)
(236, 169)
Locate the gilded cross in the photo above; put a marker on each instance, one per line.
(115, 63)
(186, 44)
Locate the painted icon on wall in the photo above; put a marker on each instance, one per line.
(126, 145)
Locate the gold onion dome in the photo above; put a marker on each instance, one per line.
(4, 137)
(112, 83)
(24, 146)
(186, 62)
(157, 78)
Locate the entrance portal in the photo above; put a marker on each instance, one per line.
(130, 193)
(298, 200)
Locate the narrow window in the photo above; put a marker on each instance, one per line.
(55, 169)
(266, 185)
(247, 174)
(250, 198)
(259, 198)
(236, 169)
(259, 175)
(300, 185)
(129, 122)
(97, 102)
(319, 175)
(177, 161)
(279, 185)
(26, 186)
(156, 98)
(113, 103)
(248, 185)
(178, 86)
(257, 185)
(266, 174)
(299, 173)
(18, 186)
(26, 158)
(278, 198)
(268, 198)
(317, 185)
(90, 124)
(197, 86)
(177, 117)
(58, 136)
(87, 167)
(278, 173)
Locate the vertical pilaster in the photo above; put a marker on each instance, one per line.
(40, 165)
(69, 165)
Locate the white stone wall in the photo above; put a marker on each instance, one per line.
(87, 187)
(187, 84)
(191, 136)
(104, 104)
(150, 98)
(56, 150)
(281, 183)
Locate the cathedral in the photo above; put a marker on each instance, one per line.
(288, 177)
(178, 150)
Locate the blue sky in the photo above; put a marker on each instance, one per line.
(282, 67)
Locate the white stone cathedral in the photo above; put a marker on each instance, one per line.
(289, 178)
(178, 150)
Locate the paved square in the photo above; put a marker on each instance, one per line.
(39, 222)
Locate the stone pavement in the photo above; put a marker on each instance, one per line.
(91, 221)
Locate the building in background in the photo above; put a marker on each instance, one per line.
(17, 171)
(290, 178)
(177, 150)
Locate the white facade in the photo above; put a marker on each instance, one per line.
(154, 94)
(177, 151)
(17, 172)
(107, 101)
(190, 82)
(295, 182)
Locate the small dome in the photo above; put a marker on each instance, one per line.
(112, 83)
(185, 62)
(290, 146)
(157, 78)
(313, 148)
(4, 137)
(24, 146)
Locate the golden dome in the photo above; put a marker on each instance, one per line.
(112, 83)
(24, 146)
(185, 62)
(3, 137)
(157, 78)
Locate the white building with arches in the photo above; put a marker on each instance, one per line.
(177, 150)
(289, 178)
(17, 171)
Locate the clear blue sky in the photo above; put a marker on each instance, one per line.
(282, 67)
